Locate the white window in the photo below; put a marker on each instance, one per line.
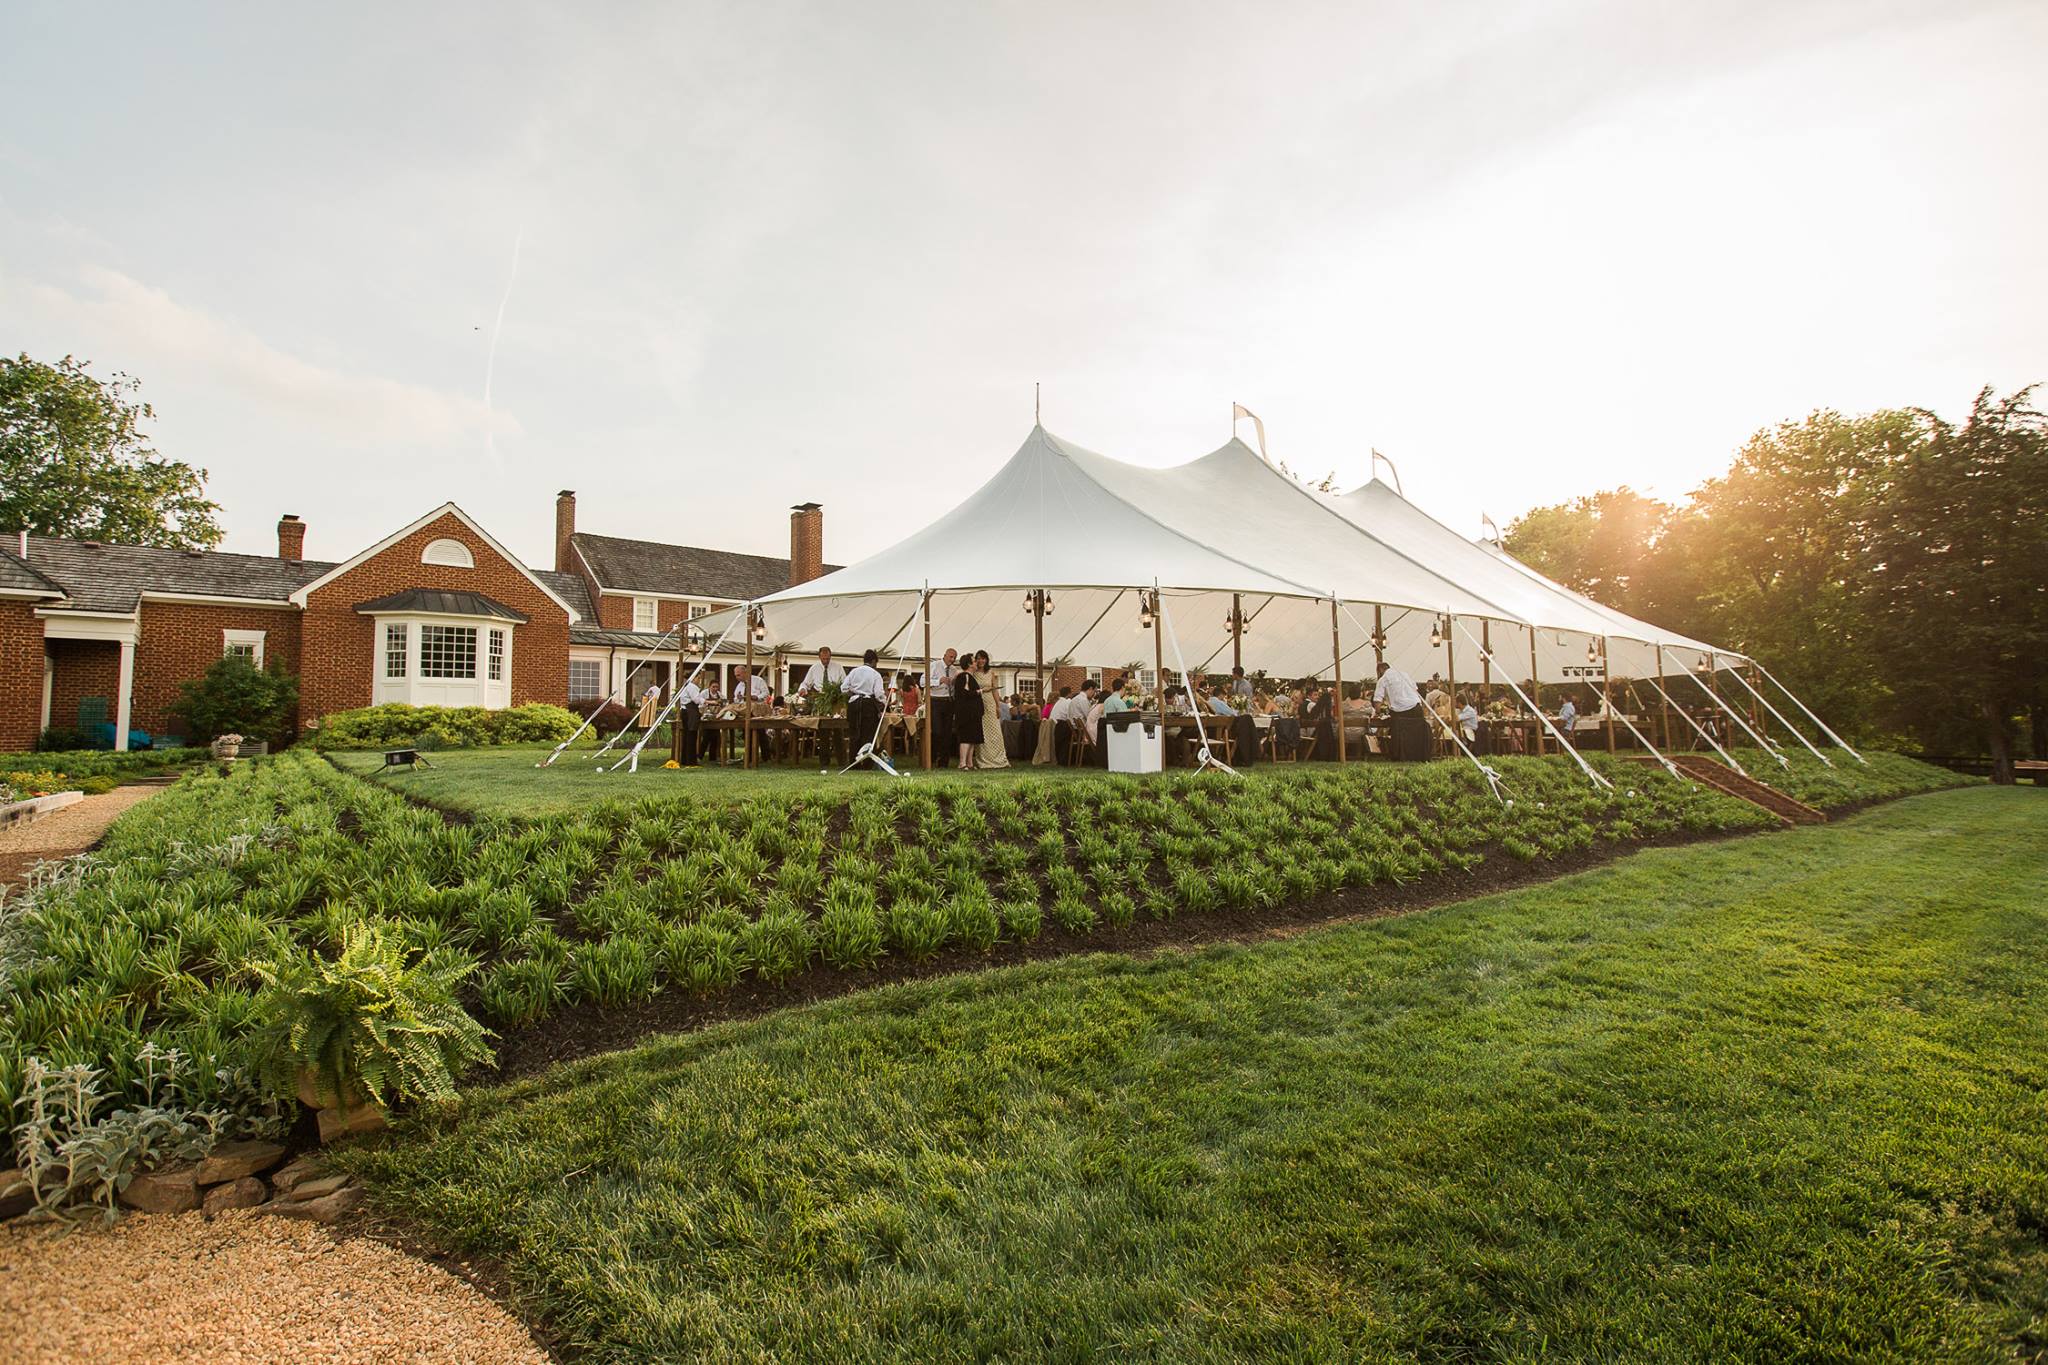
(447, 651)
(497, 656)
(452, 553)
(698, 609)
(586, 679)
(646, 614)
(1147, 679)
(394, 651)
(1027, 686)
(247, 643)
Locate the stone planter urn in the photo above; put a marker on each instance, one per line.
(338, 1119)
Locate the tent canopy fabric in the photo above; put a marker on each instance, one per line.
(1310, 574)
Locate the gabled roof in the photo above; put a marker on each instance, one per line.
(432, 602)
(19, 579)
(111, 578)
(446, 509)
(621, 565)
(571, 589)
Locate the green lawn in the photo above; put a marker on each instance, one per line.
(508, 780)
(1779, 1098)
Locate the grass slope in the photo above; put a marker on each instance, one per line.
(1772, 1099)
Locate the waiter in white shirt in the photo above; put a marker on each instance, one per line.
(866, 695)
(689, 738)
(1396, 691)
(746, 687)
(825, 672)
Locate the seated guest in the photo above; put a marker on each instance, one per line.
(1396, 691)
(1568, 717)
(1124, 698)
(1098, 699)
(1045, 748)
(1217, 705)
(907, 693)
(864, 702)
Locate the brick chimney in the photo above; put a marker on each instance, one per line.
(291, 538)
(806, 542)
(565, 526)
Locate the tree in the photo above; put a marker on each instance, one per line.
(234, 697)
(1600, 545)
(74, 461)
(1954, 567)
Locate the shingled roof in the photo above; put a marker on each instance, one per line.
(97, 577)
(16, 576)
(681, 570)
(433, 602)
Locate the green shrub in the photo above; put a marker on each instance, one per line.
(778, 945)
(234, 697)
(443, 727)
(365, 1023)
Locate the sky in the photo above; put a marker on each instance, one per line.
(702, 262)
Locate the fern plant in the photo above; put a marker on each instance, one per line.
(367, 1024)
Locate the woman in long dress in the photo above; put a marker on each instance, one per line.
(967, 715)
(994, 752)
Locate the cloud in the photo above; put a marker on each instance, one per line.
(139, 322)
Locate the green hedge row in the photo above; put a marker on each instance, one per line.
(442, 727)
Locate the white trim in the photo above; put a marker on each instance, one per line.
(253, 638)
(34, 592)
(444, 510)
(49, 688)
(124, 695)
(653, 612)
(720, 603)
(200, 599)
(89, 625)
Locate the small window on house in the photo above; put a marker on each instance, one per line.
(646, 613)
(394, 651)
(248, 644)
(497, 659)
(447, 651)
(1027, 686)
(452, 553)
(698, 609)
(586, 679)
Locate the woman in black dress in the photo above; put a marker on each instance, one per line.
(966, 711)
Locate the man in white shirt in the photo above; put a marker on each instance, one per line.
(746, 687)
(1396, 691)
(938, 677)
(866, 694)
(689, 739)
(825, 671)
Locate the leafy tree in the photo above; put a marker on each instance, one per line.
(1954, 568)
(234, 697)
(1600, 545)
(74, 461)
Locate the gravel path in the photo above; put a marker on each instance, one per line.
(74, 829)
(239, 1286)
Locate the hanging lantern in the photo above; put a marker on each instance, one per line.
(1048, 602)
(1030, 601)
(760, 624)
(1592, 651)
(1145, 610)
(1436, 633)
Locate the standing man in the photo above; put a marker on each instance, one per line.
(1396, 691)
(1568, 719)
(865, 697)
(748, 688)
(1240, 685)
(693, 737)
(938, 679)
(825, 671)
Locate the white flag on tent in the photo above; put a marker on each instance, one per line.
(1238, 410)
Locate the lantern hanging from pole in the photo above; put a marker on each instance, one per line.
(1436, 633)
(1592, 651)
(1147, 607)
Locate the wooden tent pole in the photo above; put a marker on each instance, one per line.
(747, 709)
(1485, 660)
(1663, 707)
(1607, 689)
(1379, 636)
(1236, 631)
(1451, 673)
(1337, 688)
(1159, 651)
(924, 729)
(1038, 640)
(1535, 690)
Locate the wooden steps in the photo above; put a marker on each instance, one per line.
(1722, 778)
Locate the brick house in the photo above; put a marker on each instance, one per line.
(437, 613)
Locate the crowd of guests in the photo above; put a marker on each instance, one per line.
(1393, 716)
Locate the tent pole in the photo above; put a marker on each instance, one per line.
(924, 730)
(1159, 650)
(1564, 745)
(1485, 660)
(1379, 636)
(1535, 691)
(1337, 673)
(1607, 689)
(1765, 745)
(1236, 632)
(1663, 713)
(747, 712)
(1451, 666)
(1758, 697)
(1038, 641)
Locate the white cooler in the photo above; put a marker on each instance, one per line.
(1139, 747)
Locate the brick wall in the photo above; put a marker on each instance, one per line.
(179, 642)
(338, 647)
(21, 674)
(84, 668)
(615, 610)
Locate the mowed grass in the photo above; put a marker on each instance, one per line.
(507, 781)
(1779, 1098)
